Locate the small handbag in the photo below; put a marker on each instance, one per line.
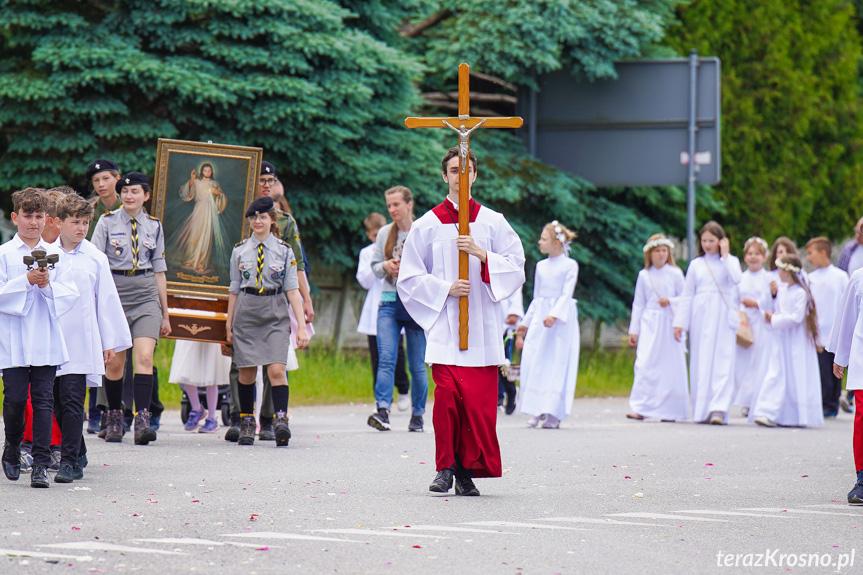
(744, 331)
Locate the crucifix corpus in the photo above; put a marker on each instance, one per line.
(463, 125)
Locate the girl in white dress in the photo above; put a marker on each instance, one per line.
(782, 246)
(755, 299)
(791, 393)
(549, 333)
(660, 388)
(708, 311)
(200, 364)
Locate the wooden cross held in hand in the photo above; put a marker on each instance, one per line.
(464, 124)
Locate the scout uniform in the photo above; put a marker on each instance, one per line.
(261, 274)
(99, 208)
(136, 252)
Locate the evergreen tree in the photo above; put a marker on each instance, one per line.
(791, 112)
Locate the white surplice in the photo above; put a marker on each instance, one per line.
(549, 360)
(827, 285)
(97, 323)
(660, 387)
(429, 267)
(708, 311)
(366, 277)
(751, 362)
(846, 338)
(791, 392)
(29, 332)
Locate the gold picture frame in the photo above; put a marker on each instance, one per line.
(200, 193)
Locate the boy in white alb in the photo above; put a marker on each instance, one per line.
(93, 330)
(827, 283)
(31, 345)
(465, 408)
(846, 342)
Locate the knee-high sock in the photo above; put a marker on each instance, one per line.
(280, 398)
(113, 392)
(143, 391)
(246, 395)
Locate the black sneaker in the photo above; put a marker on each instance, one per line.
(416, 423)
(155, 421)
(66, 474)
(233, 433)
(266, 431)
(56, 456)
(510, 405)
(11, 462)
(464, 485)
(77, 471)
(380, 420)
(93, 425)
(144, 434)
(247, 430)
(39, 476)
(281, 429)
(442, 481)
(855, 497)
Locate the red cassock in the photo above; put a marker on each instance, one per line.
(465, 409)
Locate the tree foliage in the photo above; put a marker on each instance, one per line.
(791, 112)
(323, 86)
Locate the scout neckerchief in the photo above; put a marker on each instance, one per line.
(259, 283)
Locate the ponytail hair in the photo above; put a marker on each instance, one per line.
(792, 264)
(393, 236)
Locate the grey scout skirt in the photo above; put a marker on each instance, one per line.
(140, 299)
(261, 329)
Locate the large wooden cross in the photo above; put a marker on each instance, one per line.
(464, 124)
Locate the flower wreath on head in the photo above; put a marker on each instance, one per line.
(656, 243)
(561, 237)
(787, 267)
(760, 241)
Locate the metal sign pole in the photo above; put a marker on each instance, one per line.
(690, 192)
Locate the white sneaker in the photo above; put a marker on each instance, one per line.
(744, 411)
(716, 418)
(534, 421)
(762, 420)
(404, 402)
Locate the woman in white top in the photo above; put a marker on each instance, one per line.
(708, 311)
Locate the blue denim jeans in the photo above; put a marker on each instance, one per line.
(392, 317)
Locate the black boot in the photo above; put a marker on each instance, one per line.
(114, 429)
(233, 433)
(247, 430)
(281, 429)
(442, 481)
(11, 462)
(144, 434)
(266, 432)
(464, 484)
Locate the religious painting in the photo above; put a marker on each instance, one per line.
(201, 193)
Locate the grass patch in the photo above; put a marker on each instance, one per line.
(328, 378)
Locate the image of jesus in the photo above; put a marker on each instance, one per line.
(202, 237)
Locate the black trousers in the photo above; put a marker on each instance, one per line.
(39, 382)
(831, 386)
(403, 384)
(94, 412)
(69, 393)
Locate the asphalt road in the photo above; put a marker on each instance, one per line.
(600, 495)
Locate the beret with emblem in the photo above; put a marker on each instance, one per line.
(132, 179)
(267, 169)
(262, 205)
(101, 165)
